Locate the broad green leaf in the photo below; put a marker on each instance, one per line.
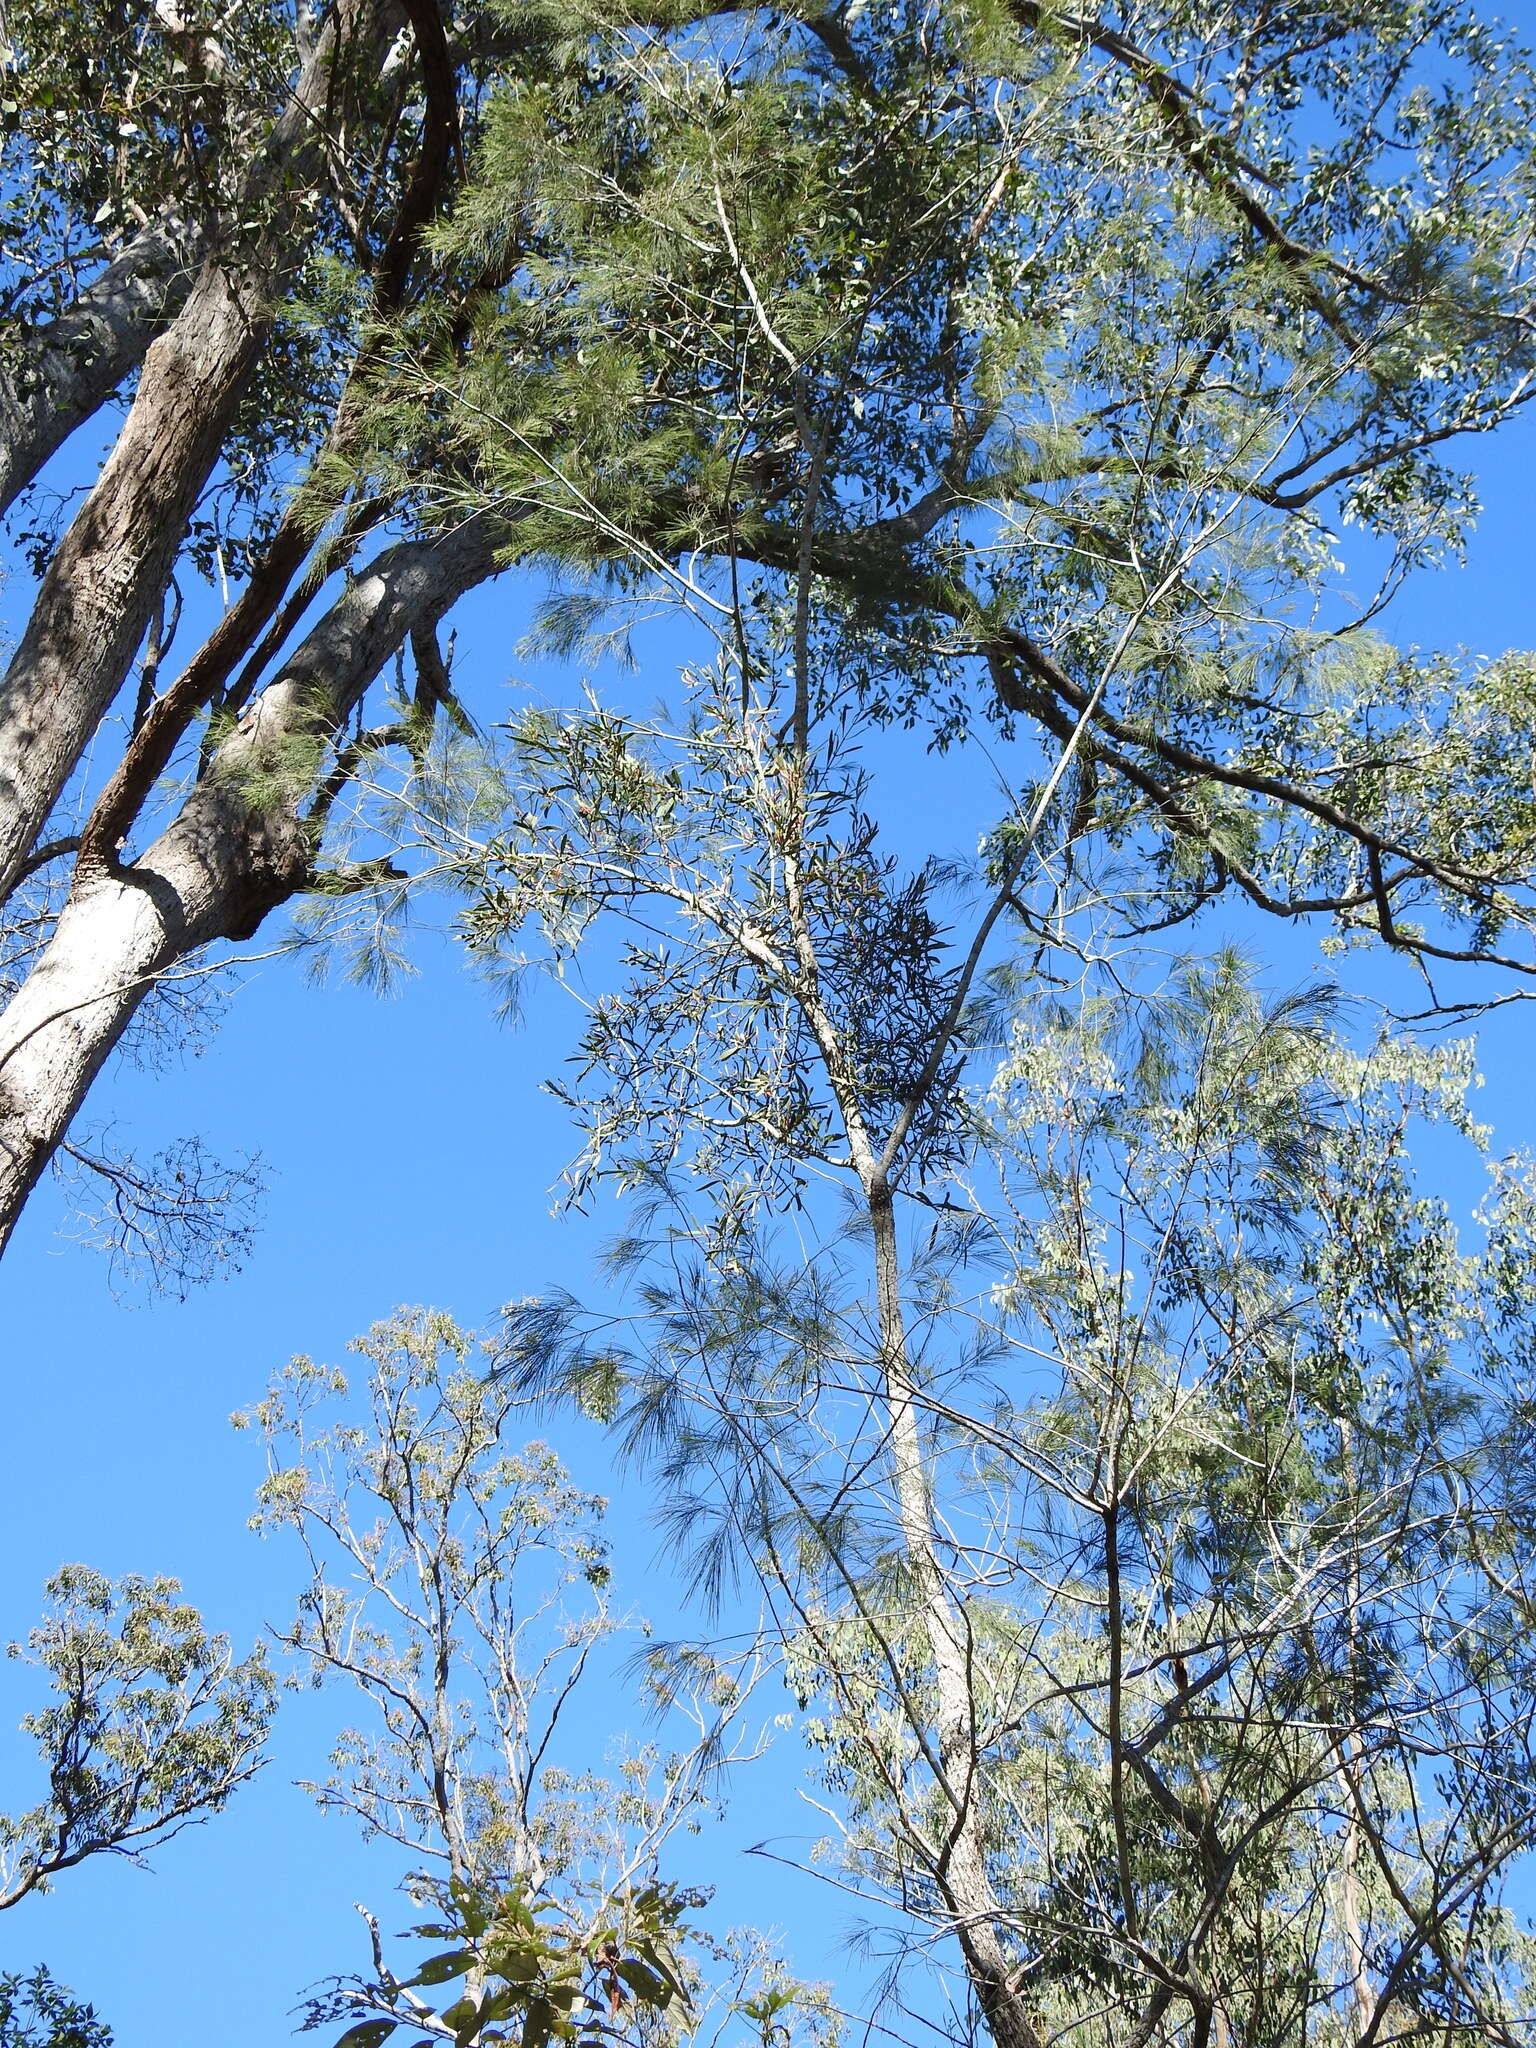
(440, 1969)
(368, 2034)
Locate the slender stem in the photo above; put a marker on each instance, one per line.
(1115, 1619)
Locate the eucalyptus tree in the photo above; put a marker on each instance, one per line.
(458, 1599)
(1019, 355)
(152, 1726)
(1133, 1463)
(199, 207)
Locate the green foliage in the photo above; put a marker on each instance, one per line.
(457, 1583)
(106, 119)
(963, 245)
(954, 357)
(529, 1978)
(155, 1723)
(1137, 1445)
(37, 2012)
(710, 1050)
(1135, 1459)
(115, 121)
(635, 1972)
(461, 1588)
(1252, 1702)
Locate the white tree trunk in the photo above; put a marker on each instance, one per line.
(237, 848)
(964, 1877)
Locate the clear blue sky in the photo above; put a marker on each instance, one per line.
(412, 1156)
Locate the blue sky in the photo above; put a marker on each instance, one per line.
(411, 1156)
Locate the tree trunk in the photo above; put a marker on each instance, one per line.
(962, 1876)
(113, 564)
(68, 369)
(237, 848)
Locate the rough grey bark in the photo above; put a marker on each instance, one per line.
(237, 848)
(114, 561)
(113, 564)
(65, 371)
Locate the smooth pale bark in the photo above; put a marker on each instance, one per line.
(114, 562)
(237, 848)
(958, 1865)
(963, 1876)
(65, 371)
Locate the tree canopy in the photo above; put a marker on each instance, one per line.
(961, 361)
(1031, 1326)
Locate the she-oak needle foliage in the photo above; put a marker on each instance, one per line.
(1011, 362)
(1147, 1562)
(1134, 1464)
(992, 364)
